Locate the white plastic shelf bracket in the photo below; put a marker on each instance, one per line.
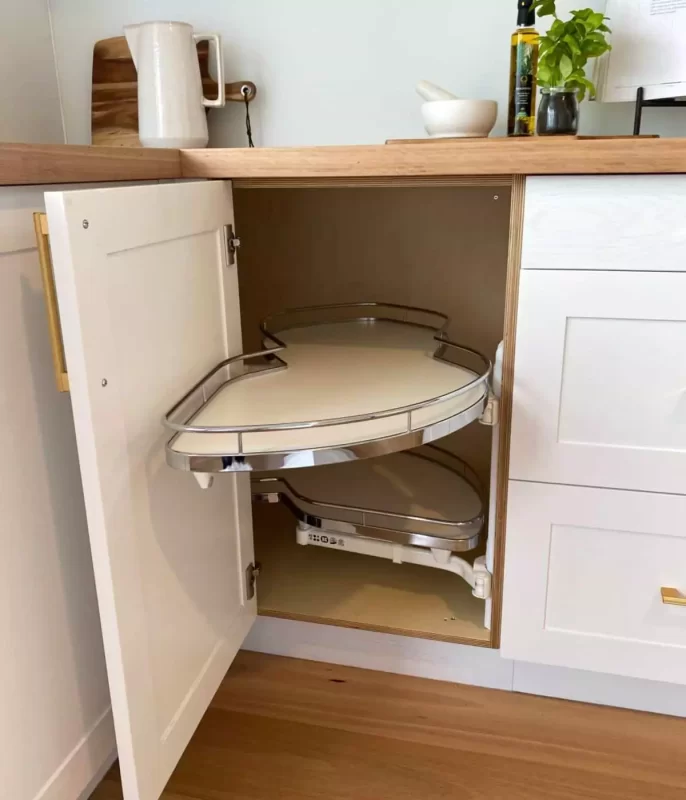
(491, 413)
(204, 479)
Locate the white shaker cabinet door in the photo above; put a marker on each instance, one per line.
(148, 305)
(600, 380)
(585, 571)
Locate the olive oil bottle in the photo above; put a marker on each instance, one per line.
(521, 119)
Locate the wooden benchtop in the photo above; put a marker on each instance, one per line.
(483, 157)
(22, 164)
(30, 164)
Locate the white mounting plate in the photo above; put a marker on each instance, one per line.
(476, 574)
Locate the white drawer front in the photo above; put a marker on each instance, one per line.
(608, 222)
(600, 380)
(583, 575)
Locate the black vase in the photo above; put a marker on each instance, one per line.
(558, 113)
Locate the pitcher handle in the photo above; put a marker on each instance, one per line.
(221, 94)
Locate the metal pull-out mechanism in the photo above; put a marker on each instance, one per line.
(491, 413)
(476, 575)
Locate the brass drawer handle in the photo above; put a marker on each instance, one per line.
(40, 223)
(672, 597)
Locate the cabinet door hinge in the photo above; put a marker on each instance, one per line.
(491, 413)
(252, 572)
(232, 244)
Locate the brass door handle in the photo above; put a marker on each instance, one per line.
(40, 223)
(672, 597)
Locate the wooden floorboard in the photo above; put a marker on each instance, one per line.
(286, 729)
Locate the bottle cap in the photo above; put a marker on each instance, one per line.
(526, 16)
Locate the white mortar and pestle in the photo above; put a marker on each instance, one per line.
(447, 116)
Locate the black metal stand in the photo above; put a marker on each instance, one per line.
(641, 103)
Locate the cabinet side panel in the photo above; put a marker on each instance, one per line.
(502, 467)
(55, 726)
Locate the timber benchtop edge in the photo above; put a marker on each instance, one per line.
(22, 164)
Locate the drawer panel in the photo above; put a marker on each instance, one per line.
(584, 570)
(600, 380)
(608, 222)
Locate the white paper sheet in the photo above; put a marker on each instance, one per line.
(648, 49)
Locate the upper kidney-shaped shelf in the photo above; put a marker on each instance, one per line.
(334, 383)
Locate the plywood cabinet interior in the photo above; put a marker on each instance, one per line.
(432, 245)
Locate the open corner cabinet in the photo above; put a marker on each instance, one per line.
(327, 427)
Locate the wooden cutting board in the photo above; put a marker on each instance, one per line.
(114, 106)
(450, 139)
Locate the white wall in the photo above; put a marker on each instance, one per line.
(330, 71)
(55, 726)
(29, 99)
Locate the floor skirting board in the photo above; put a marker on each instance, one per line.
(85, 765)
(404, 655)
(99, 775)
(600, 688)
(475, 666)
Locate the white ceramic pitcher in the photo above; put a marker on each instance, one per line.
(171, 105)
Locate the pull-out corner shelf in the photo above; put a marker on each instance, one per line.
(333, 383)
(423, 498)
(420, 507)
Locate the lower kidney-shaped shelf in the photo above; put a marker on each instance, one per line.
(422, 498)
(334, 383)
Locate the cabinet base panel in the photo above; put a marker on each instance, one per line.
(361, 626)
(314, 584)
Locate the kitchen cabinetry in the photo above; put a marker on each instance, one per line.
(600, 395)
(594, 576)
(148, 290)
(147, 283)
(585, 568)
